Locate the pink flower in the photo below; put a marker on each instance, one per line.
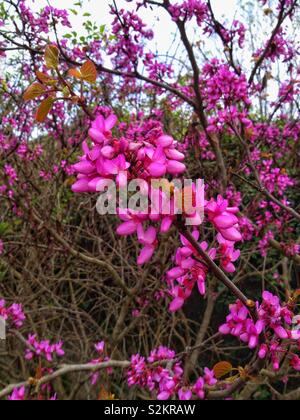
(151, 375)
(99, 347)
(18, 394)
(188, 271)
(148, 239)
(185, 394)
(14, 313)
(101, 127)
(199, 388)
(17, 314)
(272, 320)
(132, 221)
(43, 348)
(295, 362)
(209, 377)
(224, 219)
(263, 351)
(228, 254)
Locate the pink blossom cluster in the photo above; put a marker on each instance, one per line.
(11, 174)
(228, 36)
(279, 47)
(224, 218)
(240, 30)
(109, 156)
(157, 70)
(274, 178)
(190, 269)
(19, 394)
(13, 314)
(228, 117)
(222, 86)
(130, 32)
(153, 158)
(189, 9)
(100, 349)
(43, 21)
(288, 91)
(43, 348)
(162, 373)
(189, 266)
(122, 160)
(272, 332)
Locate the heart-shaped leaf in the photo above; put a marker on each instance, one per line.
(89, 72)
(222, 369)
(34, 91)
(44, 109)
(45, 79)
(52, 56)
(75, 73)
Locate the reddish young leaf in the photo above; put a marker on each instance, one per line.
(222, 369)
(89, 72)
(45, 79)
(34, 91)
(105, 395)
(75, 73)
(44, 109)
(52, 56)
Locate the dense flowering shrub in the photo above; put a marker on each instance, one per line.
(83, 113)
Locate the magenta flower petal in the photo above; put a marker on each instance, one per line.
(224, 329)
(231, 234)
(96, 135)
(84, 167)
(95, 153)
(165, 141)
(253, 342)
(166, 224)
(281, 332)
(163, 396)
(176, 304)
(157, 169)
(229, 268)
(201, 286)
(107, 152)
(174, 273)
(127, 228)
(225, 221)
(174, 154)
(110, 167)
(146, 254)
(81, 186)
(93, 184)
(110, 122)
(99, 123)
(174, 167)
